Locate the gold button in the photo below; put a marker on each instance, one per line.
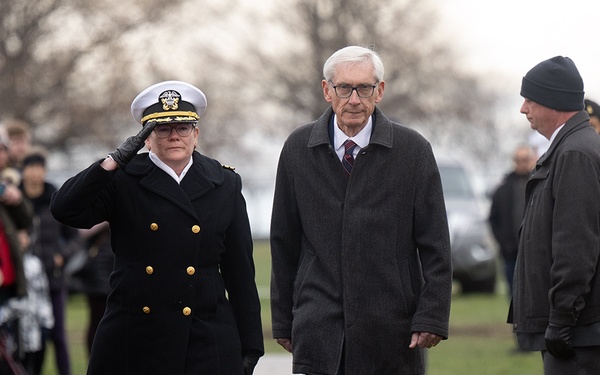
(154, 227)
(149, 270)
(187, 311)
(190, 270)
(146, 309)
(196, 229)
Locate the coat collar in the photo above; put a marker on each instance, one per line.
(577, 122)
(382, 130)
(204, 175)
(203, 168)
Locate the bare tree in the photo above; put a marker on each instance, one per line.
(72, 67)
(424, 86)
(63, 62)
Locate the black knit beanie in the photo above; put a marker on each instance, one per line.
(554, 83)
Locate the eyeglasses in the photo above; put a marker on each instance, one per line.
(345, 91)
(183, 129)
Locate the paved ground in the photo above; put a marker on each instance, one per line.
(274, 364)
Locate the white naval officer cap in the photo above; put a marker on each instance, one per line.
(167, 102)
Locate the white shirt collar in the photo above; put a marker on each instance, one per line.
(361, 139)
(160, 164)
(556, 132)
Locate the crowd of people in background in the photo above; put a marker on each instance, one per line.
(32, 316)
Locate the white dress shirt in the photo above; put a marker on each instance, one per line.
(159, 163)
(361, 139)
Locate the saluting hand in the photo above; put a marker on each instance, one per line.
(132, 145)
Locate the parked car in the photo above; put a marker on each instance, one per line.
(474, 255)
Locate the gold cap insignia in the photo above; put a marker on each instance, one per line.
(170, 100)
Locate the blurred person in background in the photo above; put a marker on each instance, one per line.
(33, 311)
(15, 215)
(506, 211)
(8, 174)
(184, 298)
(556, 297)
(593, 110)
(53, 243)
(19, 135)
(361, 265)
(94, 277)
(538, 142)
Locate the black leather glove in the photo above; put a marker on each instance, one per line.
(250, 360)
(132, 145)
(558, 341)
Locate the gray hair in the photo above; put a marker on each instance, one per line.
(353, 55)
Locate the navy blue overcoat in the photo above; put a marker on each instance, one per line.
(183, 291)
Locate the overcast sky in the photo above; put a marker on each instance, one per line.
(509, 37)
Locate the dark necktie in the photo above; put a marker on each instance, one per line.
(348, 159)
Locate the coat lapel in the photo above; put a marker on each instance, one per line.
(574, 123)
(320, 138)
(160, 183)
(382, 130)
(326, 157)
(203, 176)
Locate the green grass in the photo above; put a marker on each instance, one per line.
(480, 342)
(77, 319)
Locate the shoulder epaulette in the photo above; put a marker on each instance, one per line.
(228, 167)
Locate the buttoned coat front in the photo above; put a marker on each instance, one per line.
(359, 263)
(183, 292)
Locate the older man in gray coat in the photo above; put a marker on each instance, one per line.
(361, 265)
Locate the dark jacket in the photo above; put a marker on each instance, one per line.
(557, 279)
(50, 237)
(183, 293)
(359, 263)
(95, 275)
(506, 213)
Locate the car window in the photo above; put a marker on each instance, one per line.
(455, 183)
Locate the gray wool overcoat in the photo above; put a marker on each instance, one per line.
(359, 263)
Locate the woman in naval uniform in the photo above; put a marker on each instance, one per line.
(184, 298)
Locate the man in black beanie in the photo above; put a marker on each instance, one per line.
(556, 300)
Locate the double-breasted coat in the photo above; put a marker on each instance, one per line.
(359, 263)
(183, 298)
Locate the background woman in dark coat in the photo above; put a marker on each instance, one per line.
(53, 243)
(184, 299)
(93, 279)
